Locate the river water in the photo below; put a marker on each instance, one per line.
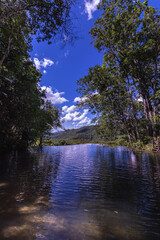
(80, 192)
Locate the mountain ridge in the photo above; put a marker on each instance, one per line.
(87, 133)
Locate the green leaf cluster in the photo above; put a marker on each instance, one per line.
(25, 113)
(127, 84)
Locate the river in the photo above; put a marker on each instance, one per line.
(80, 192)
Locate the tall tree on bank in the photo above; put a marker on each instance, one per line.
(108, 96)
(128, 35)
(24, 115)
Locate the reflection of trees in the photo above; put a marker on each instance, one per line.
(124, 176)
(109, 177)
(92, 183)
(25, 185)
(128, 182)
(31, 173)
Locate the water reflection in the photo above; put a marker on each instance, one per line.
(80, 192)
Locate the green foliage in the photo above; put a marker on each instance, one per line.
(45, 18)
(125, 89)
(146, 140)
(62, 142)
(25, 115)
(82, 134)
(138, 145)
(118, 142)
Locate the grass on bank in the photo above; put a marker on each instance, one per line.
(146, 144)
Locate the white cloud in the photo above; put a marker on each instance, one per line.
(54, 97)
(43, 63)
(27, 59)
(77, 99)
(64, 109)
(70, 109)
(90, 7)
(84, 122)
(67, 118)
(84, 98)
(140, 99)
(53, 130)
(80, 117)
(46, 62)
(44, 71)
(70, 116)
(80, 99)
(37, 63)
(74, 116)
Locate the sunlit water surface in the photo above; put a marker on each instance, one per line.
(80, 192)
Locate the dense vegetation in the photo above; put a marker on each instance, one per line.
(81, 135)
(25, 115)
(125, 90)
(87, 134)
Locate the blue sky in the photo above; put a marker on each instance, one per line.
(62, 67)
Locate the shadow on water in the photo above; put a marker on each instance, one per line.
(25, 183)
(79, 192)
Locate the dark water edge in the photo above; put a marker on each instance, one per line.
(79, 192)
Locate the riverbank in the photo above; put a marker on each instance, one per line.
(137, 146)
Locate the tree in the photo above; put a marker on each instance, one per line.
(128, 34)
(16, 74)
(45, 18)
(110, 99)
(24, 116)
(47, 118)
(42, 18)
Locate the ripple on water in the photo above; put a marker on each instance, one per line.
(82, 192)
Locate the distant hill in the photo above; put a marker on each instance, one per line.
(87, 133)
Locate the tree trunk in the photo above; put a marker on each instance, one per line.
(7, 51)
(155, 78)
(150, 111)
(40, 143)
(128, 132)
(130, 138)
(146, 116)
(134, 114)
(24, 140)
